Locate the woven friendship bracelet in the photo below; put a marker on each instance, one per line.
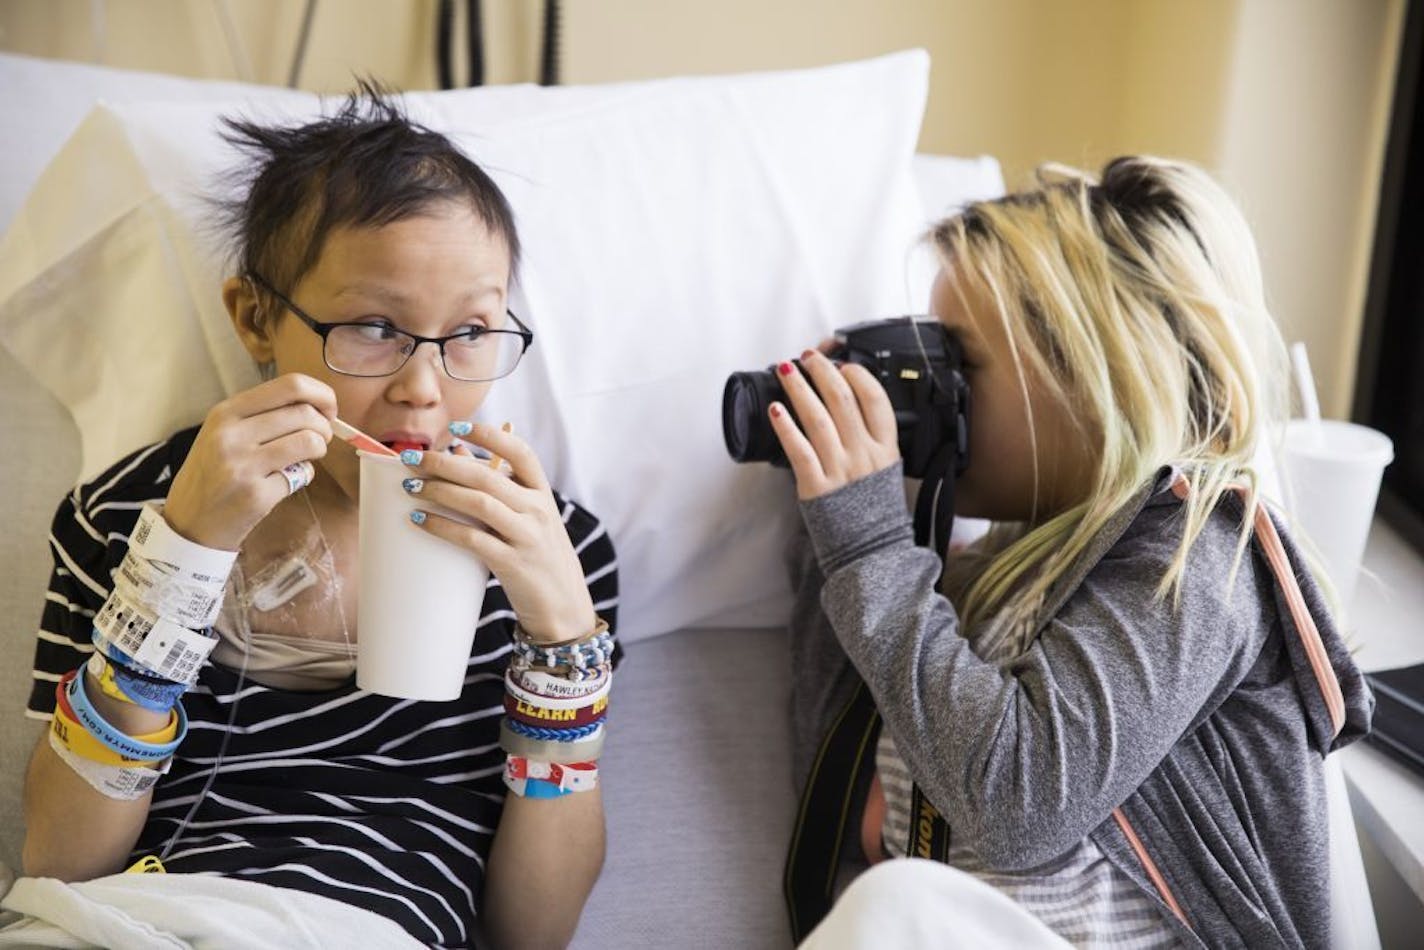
(547, 734)
(585, 750)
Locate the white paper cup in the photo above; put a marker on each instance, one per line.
(420, 596)
(1331, 479)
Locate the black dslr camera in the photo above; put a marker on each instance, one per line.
(919, 363)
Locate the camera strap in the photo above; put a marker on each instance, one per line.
(934, 507)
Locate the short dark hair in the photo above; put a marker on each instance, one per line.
(366, 165)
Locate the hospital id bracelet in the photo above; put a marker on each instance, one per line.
(130, 686)
(129, 634)
(533, 779)
(124, 783)
(172, 576)
(132, 747)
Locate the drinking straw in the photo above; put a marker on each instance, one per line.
(1309, 401)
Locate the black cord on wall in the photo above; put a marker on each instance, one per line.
(475, 41)
(444, 23)
(549, 54)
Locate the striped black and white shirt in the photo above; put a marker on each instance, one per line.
(387, 804)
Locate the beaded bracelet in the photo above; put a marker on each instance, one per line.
(581, 656)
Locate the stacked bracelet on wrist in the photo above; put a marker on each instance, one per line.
(151, 638)
(556, 707)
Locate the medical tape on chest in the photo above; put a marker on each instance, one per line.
(156, 645)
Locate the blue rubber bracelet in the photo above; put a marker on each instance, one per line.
(151, 693)
(120, 742)
(554, 735)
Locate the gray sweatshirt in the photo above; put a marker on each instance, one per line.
(1203, 726)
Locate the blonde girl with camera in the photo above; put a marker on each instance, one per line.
(1113, 707)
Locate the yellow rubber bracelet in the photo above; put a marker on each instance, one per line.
(78, 740)
(107, 684)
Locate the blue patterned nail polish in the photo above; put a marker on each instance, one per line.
(461, 428)
(413, 485)
(418, 517)
(411, 456)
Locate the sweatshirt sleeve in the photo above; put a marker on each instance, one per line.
(1027, 758)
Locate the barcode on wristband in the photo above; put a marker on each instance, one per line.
(175, 653)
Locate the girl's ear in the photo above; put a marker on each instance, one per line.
(243, 307)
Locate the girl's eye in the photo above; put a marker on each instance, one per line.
(375, 332)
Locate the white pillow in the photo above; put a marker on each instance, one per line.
(675, 231)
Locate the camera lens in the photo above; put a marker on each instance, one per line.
(745, 426)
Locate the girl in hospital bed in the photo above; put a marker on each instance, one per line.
(1113, 707)
(361, 237)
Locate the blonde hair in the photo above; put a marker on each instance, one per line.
(1136, 299)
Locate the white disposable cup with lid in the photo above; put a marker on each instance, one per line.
(420, 596)
(1331, 473)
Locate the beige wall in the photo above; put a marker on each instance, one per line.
(1284, 99)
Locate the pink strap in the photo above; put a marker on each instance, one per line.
(1149, 865)
(1275, 552)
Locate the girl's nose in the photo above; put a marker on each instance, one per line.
(417, 383)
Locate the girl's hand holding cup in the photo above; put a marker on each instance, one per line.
(520, 533)
(252, 451)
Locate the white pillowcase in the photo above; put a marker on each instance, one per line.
(675, 231)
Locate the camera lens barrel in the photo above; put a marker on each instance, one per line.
(746, 399)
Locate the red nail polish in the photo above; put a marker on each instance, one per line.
(808, 354)
(776, 410)
(784, 369)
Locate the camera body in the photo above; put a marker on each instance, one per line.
(916, 359)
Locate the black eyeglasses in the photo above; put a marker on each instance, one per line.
(475, 355)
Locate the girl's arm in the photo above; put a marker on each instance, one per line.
(546, 856)
(72, 831)
(227, 482)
